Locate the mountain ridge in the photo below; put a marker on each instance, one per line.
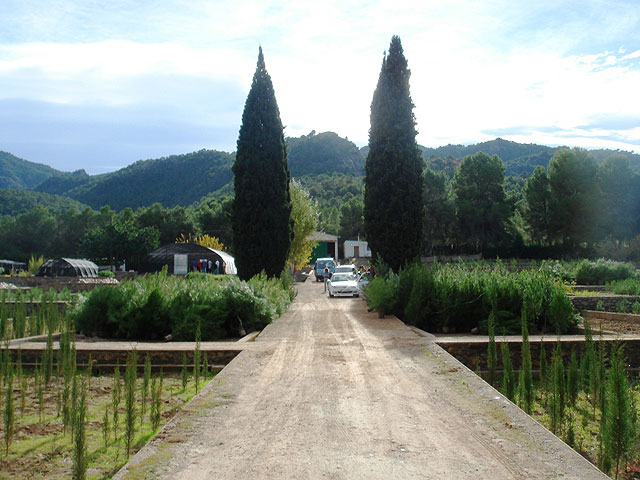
(185, 179)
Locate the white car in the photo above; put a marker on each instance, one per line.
(343, 284)
(346, 269)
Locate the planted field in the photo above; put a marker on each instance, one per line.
(45, 429)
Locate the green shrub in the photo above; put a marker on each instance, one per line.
(622, 306)
(601, 271)
(106, 274)
(600, 306)
(460, 298)
(156, 305)
(380, 295)
(635, 307)
(630, 286)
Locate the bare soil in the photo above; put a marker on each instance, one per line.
(332, 391)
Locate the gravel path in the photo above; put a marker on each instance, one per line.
(332, 391)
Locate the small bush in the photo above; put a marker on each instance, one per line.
(156, 305)
(380, 295)
(600, 306)
(622, 306)
(601, 271)
(106, 274)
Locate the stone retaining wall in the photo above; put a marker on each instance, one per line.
(610, 302)
(106, 359)
(59, 283)
(474, 355)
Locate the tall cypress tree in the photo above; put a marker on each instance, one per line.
(262, 229)
(393, 207)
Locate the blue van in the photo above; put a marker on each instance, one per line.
(321, 264)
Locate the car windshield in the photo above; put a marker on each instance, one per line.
(321, 264)
(345, 268)
(341, 277)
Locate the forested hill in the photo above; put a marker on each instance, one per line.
(520, 159)
(185, 179)
(174, 180)
(323, 153)
(15, 202)
(18, 173)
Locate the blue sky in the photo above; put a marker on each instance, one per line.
(98, 85)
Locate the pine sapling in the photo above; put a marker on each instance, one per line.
(526, 365)
(115, 399)
(620, 433)
(492, 351)
(144, 391)
(80, 459)
(130, 399)
(105, 426)
(508, 380)
(8, 413)
(573, 378)
(184, 372)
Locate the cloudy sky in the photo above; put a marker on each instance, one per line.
(99, 84)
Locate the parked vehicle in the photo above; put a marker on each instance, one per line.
(320, 265)
(347, 269)
(343, 284)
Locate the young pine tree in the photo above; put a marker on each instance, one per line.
(261, 218)
(184, 373)
(573, 378)
(196, 359)
(527, 379)
(116, 396)
(620, 432)
(130, 399)
(80, 459)
(144, 391)
(8, 411)
(393, 203)
(508, 381)
(492, 351)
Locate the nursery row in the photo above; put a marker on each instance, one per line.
(65, 422)
(460, 297)
(221, 306)
(590, 402)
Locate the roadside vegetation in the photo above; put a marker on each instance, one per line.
(459, 298)
(220, 306)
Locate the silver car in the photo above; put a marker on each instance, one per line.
(343, 284)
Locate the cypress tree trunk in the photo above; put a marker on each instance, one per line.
(261, 219)
(393, 205)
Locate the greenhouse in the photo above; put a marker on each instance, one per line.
(68, 267)
(182, 258)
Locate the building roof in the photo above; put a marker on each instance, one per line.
(164, 255)
(323, 237)
(68, 267)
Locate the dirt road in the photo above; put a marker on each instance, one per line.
(332, 391)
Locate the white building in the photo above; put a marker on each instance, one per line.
(356, 249)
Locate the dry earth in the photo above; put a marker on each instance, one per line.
(332, 391)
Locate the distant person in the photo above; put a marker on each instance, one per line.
(217, 269)
(194, 265)
(327, 276)
(210, 266)
(372, 272)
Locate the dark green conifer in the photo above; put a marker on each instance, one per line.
(508, 380)
(261, 220)
(393, 206)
